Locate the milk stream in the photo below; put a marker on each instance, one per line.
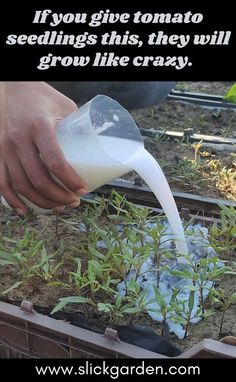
(100, 160)
(150, 171)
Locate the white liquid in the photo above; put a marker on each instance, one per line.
(100, 160)
(148, 168)
(120, 156)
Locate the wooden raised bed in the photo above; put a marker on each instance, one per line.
(25, 333)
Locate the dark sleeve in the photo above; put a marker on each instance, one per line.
(129, 94)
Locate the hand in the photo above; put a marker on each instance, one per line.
(29, 150)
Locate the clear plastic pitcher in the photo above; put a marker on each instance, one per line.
(97, 140)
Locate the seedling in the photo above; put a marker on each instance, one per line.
(220, 297)
(30, 256)
(161, 255)
(166, 310)
(203, 274)
(222, 236)
(187, 311)
(197, 146)
(115, 244)
(133, 303)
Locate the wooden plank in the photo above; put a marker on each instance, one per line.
(26, 327)
(143, 195)
(32, 334)
(210, 349)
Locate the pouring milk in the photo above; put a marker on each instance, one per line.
(102, 142)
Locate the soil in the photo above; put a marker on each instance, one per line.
(171, 115)
(175, 157)
(176, 115)
(213, 174)
(214, 87)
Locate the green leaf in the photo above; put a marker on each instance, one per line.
(59, 284)
(8, 257)
(14, 286)
(233, 298)
(7, 262)
(131, 310)
(69, 300)
(95, 252)
(208, 313)
(133, 286)
(198, 312)
(119, 301)
(160, 299)
(215, 299)
(44, 260)
(94, 270)
(191, 301)
(106, 308)
(10, 240)
(182, 274)
(191, 288)
(230, 96)
(178, 319)
(233, 231)
(58, 266)
(107, 242)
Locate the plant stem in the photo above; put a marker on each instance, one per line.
(132, 318)
(202, 300)
(162, 327)
(222, 320)
(187, 325)
(158, 262)
(195, 156)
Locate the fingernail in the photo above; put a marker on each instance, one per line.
(58, 208)
(81, 191)
(20, 212)
(74, 204)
